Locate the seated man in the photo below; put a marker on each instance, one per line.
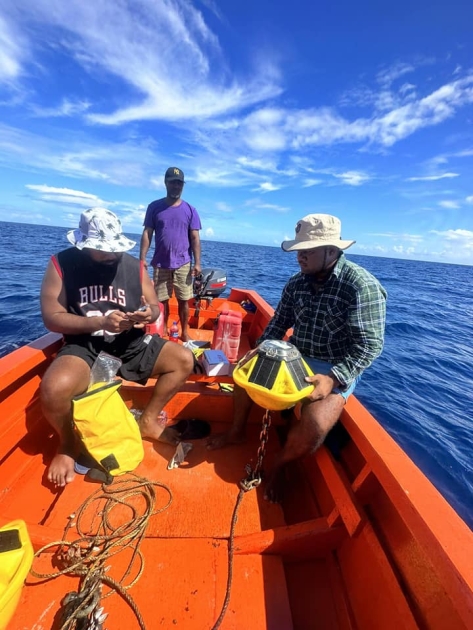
(100, 299)
(337, 311)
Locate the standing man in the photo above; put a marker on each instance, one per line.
(100, 298)
(176, 226)
(337, 311)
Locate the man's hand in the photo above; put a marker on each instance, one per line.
(142, 316)
(196, 270)
(145, 264)
(116, 322)
(323, 386)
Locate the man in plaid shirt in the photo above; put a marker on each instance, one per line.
(337, 311)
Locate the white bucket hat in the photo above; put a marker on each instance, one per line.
(100, 229)
(317, 230)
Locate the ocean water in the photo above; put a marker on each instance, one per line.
(420, 389)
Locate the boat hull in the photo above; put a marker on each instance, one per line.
(361, 540)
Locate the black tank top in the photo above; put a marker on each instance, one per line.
(96, 289)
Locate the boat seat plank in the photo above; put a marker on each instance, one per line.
(310, 539)
(199, 567)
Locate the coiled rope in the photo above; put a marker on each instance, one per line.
(99, 540)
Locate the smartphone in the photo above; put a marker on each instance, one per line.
(142, 308)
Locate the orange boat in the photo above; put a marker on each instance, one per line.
(363, 540)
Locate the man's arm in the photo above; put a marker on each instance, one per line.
(56, 318)
(145, 243)
(195, 246)
(283, 317)
(366, 324)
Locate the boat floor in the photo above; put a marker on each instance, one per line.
(185, 549)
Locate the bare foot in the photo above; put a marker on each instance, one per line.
(61, 470)
(156, 429)
(185, 337)
(275, 485)
(220, 440)
(151, 428)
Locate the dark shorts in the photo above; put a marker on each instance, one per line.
(138, 360)
(322, 367)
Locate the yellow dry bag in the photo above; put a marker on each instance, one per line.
(107, 429)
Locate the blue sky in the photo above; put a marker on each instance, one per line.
(272, 109)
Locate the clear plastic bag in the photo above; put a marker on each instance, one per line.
(104, 369)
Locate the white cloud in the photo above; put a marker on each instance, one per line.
(66, 108)
(276, 129)
(311, 182)
(388, 75)
(449, 204)
(209, 232)
(272, 206)
(462, 238)
(267, 187)
(12, 52)
(66, 196)
(43, 188)
(223, 206)
(469, 199)
(352, 178)
(130, 162)
(183, 77)
(432, 178)
(410, 238)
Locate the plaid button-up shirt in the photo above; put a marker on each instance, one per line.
(341, 321)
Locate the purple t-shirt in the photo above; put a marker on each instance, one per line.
(171, 225)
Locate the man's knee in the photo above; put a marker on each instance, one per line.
(59, 385)
(174, 358)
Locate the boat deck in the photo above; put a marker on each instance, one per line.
(186, 548)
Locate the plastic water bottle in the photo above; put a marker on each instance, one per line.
(174, 332)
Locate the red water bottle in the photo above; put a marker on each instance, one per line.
(174, 333)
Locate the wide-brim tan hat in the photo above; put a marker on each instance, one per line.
(317, 230)
(100, 229)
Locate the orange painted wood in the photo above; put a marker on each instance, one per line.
(345, 617)
(374, 593)
(421, 581)
(183, 586)
(345, 500)
(311, 596)
(16, 364)
(309, 539)
(365, 485)
(430, 519)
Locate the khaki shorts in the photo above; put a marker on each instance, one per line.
(165, 280)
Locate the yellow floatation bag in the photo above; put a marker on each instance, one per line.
(16, 557)
(107, 429)
(273, 375)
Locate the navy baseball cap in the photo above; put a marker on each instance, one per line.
(174, 174)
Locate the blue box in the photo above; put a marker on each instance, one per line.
(215, 363)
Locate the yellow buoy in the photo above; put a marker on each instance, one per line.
(16, 557)
(273, 375)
